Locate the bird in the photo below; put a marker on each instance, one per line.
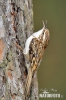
(34, 50)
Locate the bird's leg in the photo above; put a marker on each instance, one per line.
(19, 47)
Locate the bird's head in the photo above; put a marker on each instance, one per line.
(46, 36)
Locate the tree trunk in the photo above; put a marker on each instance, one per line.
(16, 25)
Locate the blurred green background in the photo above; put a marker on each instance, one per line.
(52, 71)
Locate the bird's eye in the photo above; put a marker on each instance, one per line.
(43, 32)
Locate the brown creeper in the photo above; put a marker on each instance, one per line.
(33, 51)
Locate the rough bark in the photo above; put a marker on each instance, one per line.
(16, 25)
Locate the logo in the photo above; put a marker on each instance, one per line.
(51, 93)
